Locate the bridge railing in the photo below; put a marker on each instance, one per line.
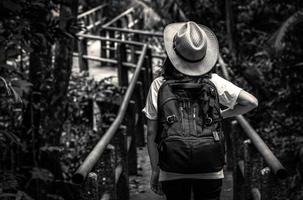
(125, 26)
(92, 18)
(126, 18)
(104, 172)
(257, 173)
(136, 35)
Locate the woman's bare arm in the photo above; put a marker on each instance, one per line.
(245, 103)
(155, 185)
(152, 126)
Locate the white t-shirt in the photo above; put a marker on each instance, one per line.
(228, 94)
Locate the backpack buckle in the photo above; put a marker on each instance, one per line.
(171, 119)
(208, 120)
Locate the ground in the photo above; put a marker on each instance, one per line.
(139, 185)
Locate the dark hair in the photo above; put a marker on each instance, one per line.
(169, 72)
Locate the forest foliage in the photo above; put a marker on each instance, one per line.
(45, 111)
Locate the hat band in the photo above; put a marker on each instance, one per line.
(184, 58)
(181, 56)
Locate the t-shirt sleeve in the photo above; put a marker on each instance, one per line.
(150, 109)
(228, 92)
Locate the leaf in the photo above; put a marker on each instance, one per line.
(12, 137)
(21, 86)
(277, 39)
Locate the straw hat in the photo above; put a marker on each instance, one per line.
(192, 48)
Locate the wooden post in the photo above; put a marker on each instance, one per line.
(122, 70)
(122, 184)
(230, 27)
(140, 140)
(86, 21)
(90, 187)
(247, 168)
(91, 22)
(133, 54)
(236, 171)
(266, 191)
(136, 38)
(111, 45)
(228, 141)
(145, 88)
(123, 25)
(94, 17)
(130, 36)
(102, 46)
(105, 168)
(149, 66)
(82, 50)
(132, 152)
(256, 166)
(272, 188)
(143, 78)
(117, 24)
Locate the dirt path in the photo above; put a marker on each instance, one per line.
(139, 185)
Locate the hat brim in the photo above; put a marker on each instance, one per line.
(186, 67)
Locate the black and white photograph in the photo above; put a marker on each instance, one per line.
(151, 100)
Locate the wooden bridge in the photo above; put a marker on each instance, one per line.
(252, 171)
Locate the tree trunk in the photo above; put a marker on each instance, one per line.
(230, 27)
(62, 71)
(39, 72)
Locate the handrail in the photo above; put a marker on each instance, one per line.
(96, 153)
(136, 31)
(108, 60)
(93, 37)
(91, 11)
(271, 160)
(120, 16)
(278, 170)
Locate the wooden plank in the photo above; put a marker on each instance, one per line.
(132, 9)
(136, 31)
(91, 11)
(89, 189)
(112, 61)
(95, 37)
(227, 187)
(131, 124)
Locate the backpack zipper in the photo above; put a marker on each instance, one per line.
(171, 138)
(182, 117)
(194, 116)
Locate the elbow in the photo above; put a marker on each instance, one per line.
(248, 100)
(253, 102)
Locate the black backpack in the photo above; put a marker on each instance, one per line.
(189, 137)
